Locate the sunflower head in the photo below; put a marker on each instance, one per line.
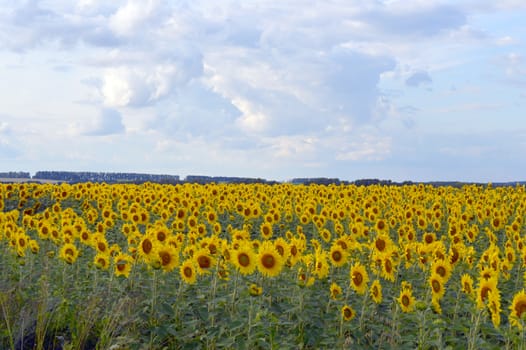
(376, 291)
(518, 310)
(406, 299)
(359, 278)
(336, 291)
(269, 261)
(188, 272)
(348, 313)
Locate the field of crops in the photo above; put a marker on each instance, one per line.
(97, 266)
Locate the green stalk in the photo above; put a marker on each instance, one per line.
(475, 320)
(6, 318)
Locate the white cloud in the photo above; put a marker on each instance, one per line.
(107, 122)
(418, 78)
(7, 149)
(365, 147)
(130, 18)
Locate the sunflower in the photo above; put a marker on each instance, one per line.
(325, 235)
(436, 282)
(441, 268)
(266, 230)
(101, 245)
(382, 243)
(244, 259)
(510, 254)
(338, 255)
(168, 257)
(282, 246)
(348, 313)
(297, 246)
(436, 305)
(321, 265)
(101, 261)
(381, 226)
(33, 245)
(518, 309)
(44, 230)
(255, 290)
(406, 300)
(269, 261)
(336, 291)
(466, 282)
(188, 272)
(486, 286)
(376, 291)
(388, 268)
(86, 237)
(359, 278)
(123, 264)
(69, 253)
(494, 307)
(204, 260)
(304, 279)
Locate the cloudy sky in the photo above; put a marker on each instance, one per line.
(405, 90)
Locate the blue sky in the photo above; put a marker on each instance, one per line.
(402, 90)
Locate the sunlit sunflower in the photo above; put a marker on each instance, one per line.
(406, 300)
(168, 257)
(101, 261)
(269, 262)
(305, 279)
(381, 226)
(147, 248)
(244, 259)
(69, 253)
(123, 264)
(266, 230)
(442, 268)
(388, 268)
(436, 282)
(382, 243)
(321, 265)
(376, 291)
(34, 246)
(100, 243)
(188, 272)
(347, 313)
(44, 230)
(359, 278)
(204, 260)
(325, 235)
(518, 310)
(485, 287)
(466, 282)
(494, 307)
(338, 255)
(336, 291)
(255, 290)
(283, 248)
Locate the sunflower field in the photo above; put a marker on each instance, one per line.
(224, 266)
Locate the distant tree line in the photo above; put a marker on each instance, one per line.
(202, 179)
(316, 180)
(76, 176)
(87, 176)
(15, 175)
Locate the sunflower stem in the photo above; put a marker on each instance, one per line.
(234, 293)
(474, 330)
(6, 319)
(362, 313)
(152, 308)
